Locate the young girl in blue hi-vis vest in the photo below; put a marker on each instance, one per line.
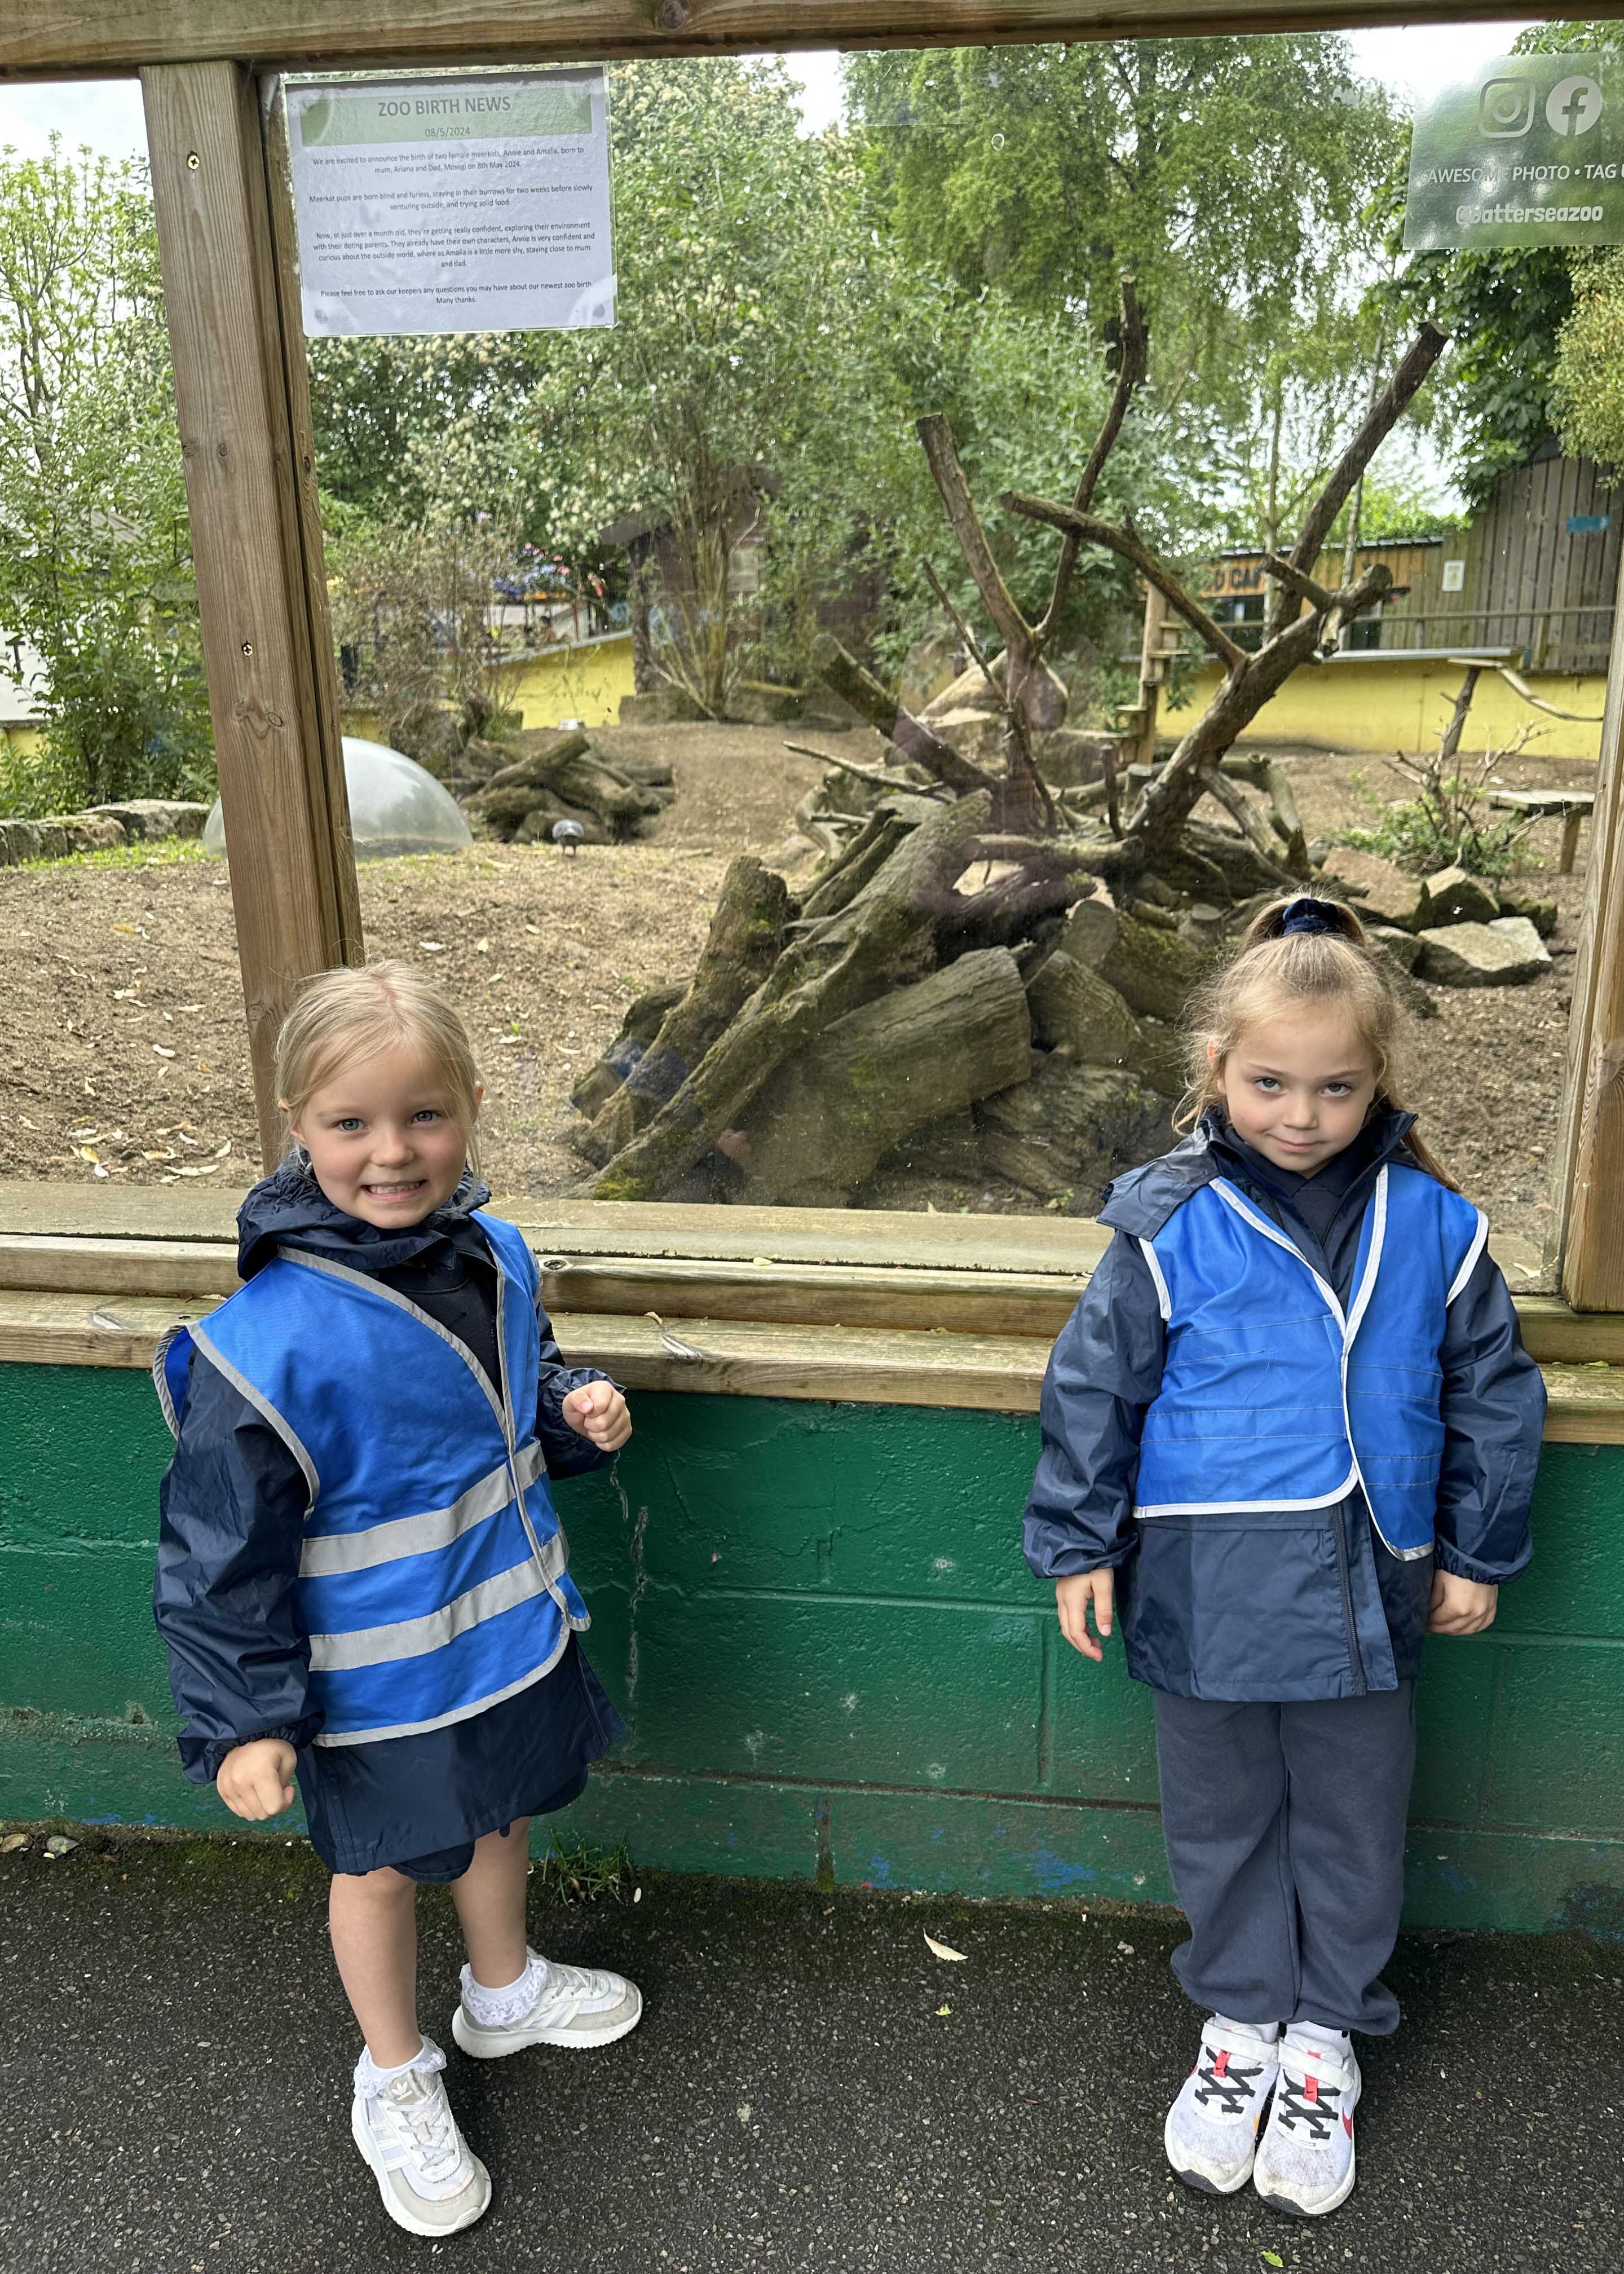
(361, 1578)
(1289, 1429)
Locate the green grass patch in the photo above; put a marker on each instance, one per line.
(581, 1874)
(161, 853)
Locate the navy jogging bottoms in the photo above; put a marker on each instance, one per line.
(1285, 1836)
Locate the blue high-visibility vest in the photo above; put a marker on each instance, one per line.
(1273, 1398)
(433, 1579)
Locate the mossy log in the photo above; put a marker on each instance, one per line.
(1075, 1010)
(1153, 970)
(885, 937)
(1063, 1135)
(746, 933)
(643, 1021)
(825, 1121)
(851, 868)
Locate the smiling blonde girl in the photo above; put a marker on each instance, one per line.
(1289, 1429)
(361, 1579)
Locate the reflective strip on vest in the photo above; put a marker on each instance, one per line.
(381, 1646)
(327, 1553)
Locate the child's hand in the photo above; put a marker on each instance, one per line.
(596, 1412)
(1072, 1598)
(1460, 1607)
(256, 1780)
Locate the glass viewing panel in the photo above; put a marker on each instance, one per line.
(750, 640)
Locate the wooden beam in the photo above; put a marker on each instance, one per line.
(735, 1357)
(95, 38)
(225, 241)
(1589, 1235)
(951, 1297)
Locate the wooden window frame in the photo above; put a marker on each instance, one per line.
(226, 244)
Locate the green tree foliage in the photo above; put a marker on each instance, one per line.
(1227, 172)
(1587, 382)
(95, 562)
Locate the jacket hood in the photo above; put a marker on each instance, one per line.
(1140, 1202)
(290, 1209)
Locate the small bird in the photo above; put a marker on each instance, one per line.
(566, 835)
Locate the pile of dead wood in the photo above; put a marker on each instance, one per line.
(519, 789)
(989, 968)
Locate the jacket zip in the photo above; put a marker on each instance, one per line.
(1355, 1657)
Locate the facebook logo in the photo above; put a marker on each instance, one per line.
(1573, 106)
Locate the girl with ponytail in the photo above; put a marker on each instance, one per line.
(1289, 1429)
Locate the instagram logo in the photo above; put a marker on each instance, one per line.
(1505, 107)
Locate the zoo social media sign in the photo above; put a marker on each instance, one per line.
(1526, 150)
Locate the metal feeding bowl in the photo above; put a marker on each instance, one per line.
(566, 835)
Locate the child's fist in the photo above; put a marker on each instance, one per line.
(256, 1780)
(1072, 1598)
(1460, 1607)
(598, 1413)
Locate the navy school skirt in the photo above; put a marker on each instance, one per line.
(419, 1804)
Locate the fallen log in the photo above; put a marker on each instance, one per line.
(863, 858)
(884, 938)
(1076, 1012)
(823, 1123)
(563, 768)
(746, 934)
(1063, 1135)
(643, 1021)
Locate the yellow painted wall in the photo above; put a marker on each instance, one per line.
(20, 741)
(585, 682)
(1393, 703)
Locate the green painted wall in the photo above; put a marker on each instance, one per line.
(817, 1624)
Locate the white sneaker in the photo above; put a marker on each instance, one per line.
(1211, 2133)
(429, 2181)
(1306, 2158)
(574, 2006)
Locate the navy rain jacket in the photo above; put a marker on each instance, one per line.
(233, 1500)
(1282, 1605)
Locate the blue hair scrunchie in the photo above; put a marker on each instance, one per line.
(1306, 915)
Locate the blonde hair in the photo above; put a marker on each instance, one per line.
(345, 1016)
(1277, 970)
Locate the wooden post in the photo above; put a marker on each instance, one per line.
(224, 238)
(1152, 670)
(1589, 1224)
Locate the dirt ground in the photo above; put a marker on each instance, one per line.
(122, 1052)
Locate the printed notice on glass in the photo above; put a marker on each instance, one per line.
(1522, 150)
(453, 205)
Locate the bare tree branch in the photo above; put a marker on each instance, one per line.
(1285, 572)
(1383, 414)
(1130, 377)
(1092, 531)
(917, 741)
(869, 773)
(967, 635)
(941, 453)
(1246, 818)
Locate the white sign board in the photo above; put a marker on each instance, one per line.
(453, 205)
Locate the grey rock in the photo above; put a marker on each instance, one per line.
(1403, 946)
(1505, 953)
(58, 836)
(1541, 913)
(1458, 897)
(1377, 888)
(144, 817)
